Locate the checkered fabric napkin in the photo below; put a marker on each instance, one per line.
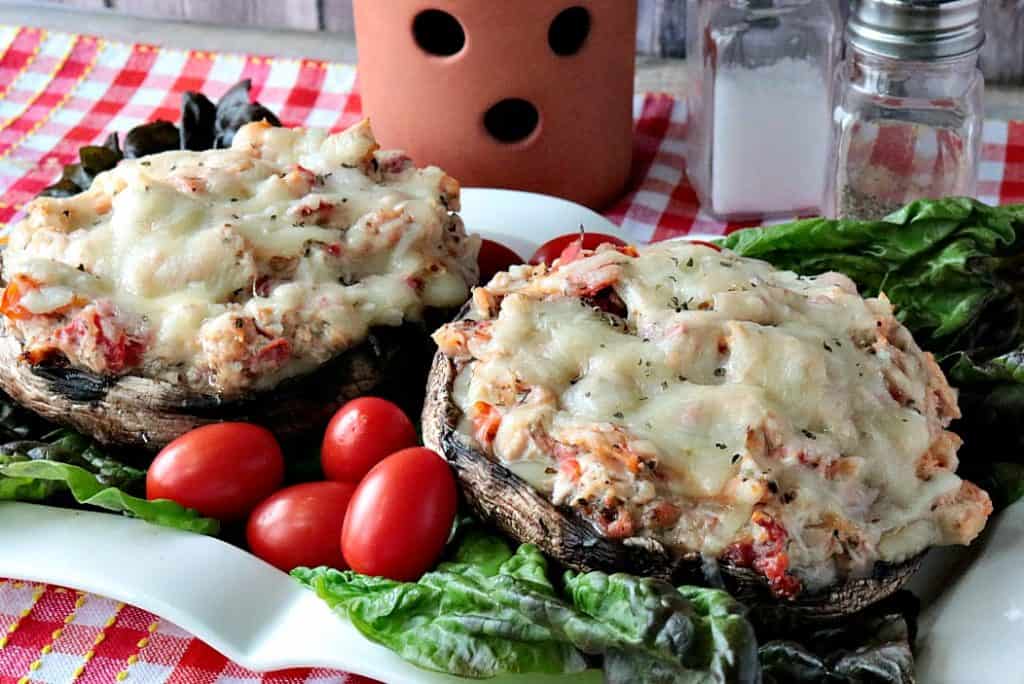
(60, 91)
(55, 635)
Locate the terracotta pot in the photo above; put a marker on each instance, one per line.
(526, 94)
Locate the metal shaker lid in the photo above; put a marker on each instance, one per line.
(916, 29)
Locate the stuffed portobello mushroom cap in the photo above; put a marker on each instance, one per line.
(271, 282)
(682, 412)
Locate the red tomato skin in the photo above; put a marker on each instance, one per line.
(705, 243)
(361, 434)
(400, 516)
(300, 525)
(494, 258)
(552, 249)
(222, 470)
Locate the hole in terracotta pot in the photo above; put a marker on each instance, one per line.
(569, 30)
(438, 33)
(511, 120)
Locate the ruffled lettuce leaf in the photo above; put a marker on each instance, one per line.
(66, 464)
(38, 480)
(951, 267)
(490, 611)
(485, 613)
(874, 648)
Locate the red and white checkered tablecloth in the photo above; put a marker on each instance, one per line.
(60, 91)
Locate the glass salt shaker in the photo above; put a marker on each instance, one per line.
(908, 106)
(760, 108)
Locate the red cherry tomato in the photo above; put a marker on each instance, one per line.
(301, 525)
(495, 257)
(361, 434)
(221, 470)
(552, 249)
(400, 516)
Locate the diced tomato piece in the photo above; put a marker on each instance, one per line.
(767, 554)
(72, 333)
(572, 252)
(622, 527)
(706, 244)
(740, 554)
(666, 514)
(123, 353)
(570, 467)
(395, 163)
(120, 351)
(333, 249)
(562, 452)
(10, 302)
(322, 211)
(486, 420)
(274, 354)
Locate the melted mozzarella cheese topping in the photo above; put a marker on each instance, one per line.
(710, 401)
(230, 270)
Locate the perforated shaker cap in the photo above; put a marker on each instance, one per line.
(916, 29)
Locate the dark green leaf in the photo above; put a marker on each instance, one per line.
(490, 611)
(198, 117)
(151, 138)
(652, 632)
(1008, 367)
(24, 488)
(65, 446)
(235, 97)
(97, 159)
(113, 143)
(62, 188)
(943, 263)
(203, 126)
(872, 650)
(1004, 482)
(234, 110)
(17, 422)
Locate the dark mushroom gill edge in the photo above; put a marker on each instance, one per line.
(515, 507)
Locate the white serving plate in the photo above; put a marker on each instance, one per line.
(971, 630)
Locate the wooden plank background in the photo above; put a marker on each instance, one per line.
(661, 31)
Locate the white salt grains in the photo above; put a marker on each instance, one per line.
(770, 139)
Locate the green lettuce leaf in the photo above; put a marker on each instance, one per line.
(66, 446)
(87, 489)
(648, 631)
(25, 488)
(951, 266)
(489, 611)
(874, 651)
(69, 463)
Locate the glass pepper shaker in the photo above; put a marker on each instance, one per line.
(908, 106)
(760, 109)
